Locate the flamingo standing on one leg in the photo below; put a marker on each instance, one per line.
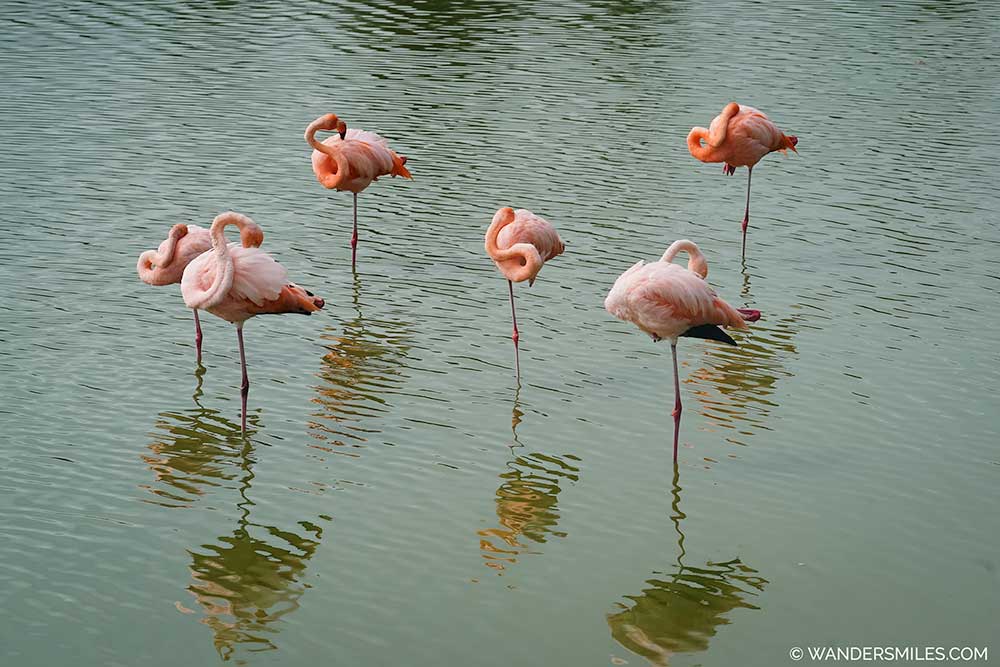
(166, 264)
(519, 242)
(350, 160)
(667, 301)
(236, 283)
(739, 137)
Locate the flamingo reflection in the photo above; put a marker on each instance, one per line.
(733, 385)
(361, 368)
(680, 611)
(526, 501)
(251, 577)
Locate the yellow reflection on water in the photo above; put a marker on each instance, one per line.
(681, 609)
(250, 577)
(361, 367)
(194, 451)
(526, 501)
(247, 580)
(733, 385)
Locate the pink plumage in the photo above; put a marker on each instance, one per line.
(668, 301)
(740, 136)
(665, 299)
(166, 264)
(519, 243)
(237, 283)
(351, 160)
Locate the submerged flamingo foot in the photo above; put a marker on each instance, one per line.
(749, 314)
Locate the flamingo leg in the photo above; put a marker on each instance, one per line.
(515, 337)
(245, 384)
(677, 399)
(746, 214)
(197, 334)
(354, 236)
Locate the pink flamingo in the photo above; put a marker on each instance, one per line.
(739, 137)
(519, 243)
(166, 264)
(350, 160)
(236, 283)
(667, 301)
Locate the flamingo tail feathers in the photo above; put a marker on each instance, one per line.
(399, 167)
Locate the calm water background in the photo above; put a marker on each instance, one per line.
(398, 501)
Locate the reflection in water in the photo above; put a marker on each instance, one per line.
(249, 578)
(733, 384)
(679, 612)
(361, 366)
(194, 450)
(526, 501)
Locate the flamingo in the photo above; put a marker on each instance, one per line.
(236, 283)
(165, 265)
(519, 243)
(668, 301)
(739, 137)
(351, 160)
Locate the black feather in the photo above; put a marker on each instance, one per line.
(709, 332)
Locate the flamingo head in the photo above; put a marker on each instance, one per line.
(178, 231)
(251, 236)
(327, 122)
(341, 129)
(790, 142)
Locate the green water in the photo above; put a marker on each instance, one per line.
(397, 499)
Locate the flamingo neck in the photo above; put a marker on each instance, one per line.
(151, 260)
(696, 260)
(339, 173)
(225, 269)
(519, 262)
(327, 122)
(695, 147)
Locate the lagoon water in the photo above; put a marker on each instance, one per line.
(398, 500)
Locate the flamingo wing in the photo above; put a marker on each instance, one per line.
(665, 300)
(530, 228)
(258, 277)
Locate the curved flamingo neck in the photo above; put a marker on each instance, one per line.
(696, 260)
(713, 137)
(151, 260)
(326, 123)
(521, 261)
(225, 269)
(695, 147)
(329, 122)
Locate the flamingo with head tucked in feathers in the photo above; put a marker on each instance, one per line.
(519, 243)
(166, 264)
(740, 136)
(668, 301)
(237, 283)
(350, 160)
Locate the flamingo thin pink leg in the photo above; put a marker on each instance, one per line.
(245, 385)
(677, 399)
(746, 214)
(515, 336)
(354, 236)
(197, 334)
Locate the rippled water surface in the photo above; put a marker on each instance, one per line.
(398, 500)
